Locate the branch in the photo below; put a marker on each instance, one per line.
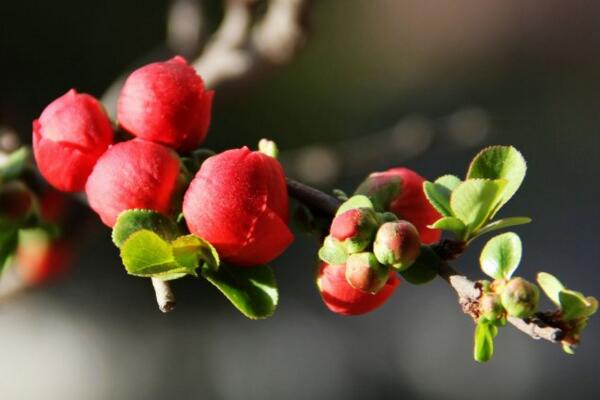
(164, 296)
(540, 326)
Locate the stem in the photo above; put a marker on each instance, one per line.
(164, 296)
(468, 291)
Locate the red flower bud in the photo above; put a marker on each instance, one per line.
(238, 202)
(166, 102)
(68, 138)
(133, 174)
(408, 203)
(355, 228)
(365, 273)
(341, 298)
(41, 259)
(397, 244)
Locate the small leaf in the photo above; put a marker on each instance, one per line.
(188, 250)
(551, 286)
(424, 269)
(451, 224)
(575, 305)
(333, 252)
(356, 201)
(252, 290)
(567, 348)
(131, 221)
(500, 162)
(503, 223)
(439, 197)
(146, 254)
(501, 256)
(484, 341)
(474, 200)
(14, 164)
(450, 182)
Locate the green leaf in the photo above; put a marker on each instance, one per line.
(188, 250)
(567, 348)
(9, 239)
(146, 254)
(356, 201)
(451, 224)
(500, 162)
(252, 290)
(501, 255)
(575, 305)
(424, 269)
(450, 182)
(439, 197)
(333, 252)
(484, 341)
(131, 221)
(551, 286)
(14, 164)
(503, 223)
(474, 200)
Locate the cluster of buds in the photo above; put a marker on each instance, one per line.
(515, 297)
(237, 200)
(370, 240)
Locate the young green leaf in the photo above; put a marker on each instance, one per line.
(551, 286)
(575, 305)
(450, 182)
(253, 290)
(474, 200)
(146, 254)
(131, 221)
(503, 223)
(14, 164)
(188, 250)
(484, 341)
(439, 197)
(501, 256)
(356, 201)
(500, 162)
(451, 224)
(424, 269)
(333, 252)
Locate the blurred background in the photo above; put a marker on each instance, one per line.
(379, 83)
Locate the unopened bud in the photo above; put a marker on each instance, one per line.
(381, 188)
(397, 244)
(520, 297)
(355, 228)
(365, 273)
(490, 307)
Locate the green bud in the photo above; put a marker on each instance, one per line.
(381, 188)
(387, 217)
(397, 244)
(365, 273)
(355, 228)
(520, 297)
(490, 308)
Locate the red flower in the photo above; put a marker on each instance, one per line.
(238, 202)
(133, 174)
(41, 259)
(68, 138)
(341, 298)
(166, 102)
(408, 202)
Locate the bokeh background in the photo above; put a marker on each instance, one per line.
(380, 83)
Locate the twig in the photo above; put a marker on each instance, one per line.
(468, 291)
(164, 296)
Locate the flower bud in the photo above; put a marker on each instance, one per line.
(41, 259)
(133, 174)
(400, 190)
(520, 297)
(365, 273)
(490, 307)
(354, 228)
(238, 202)
(397, 244)
(166, 102)
(68, 138)
(341, 298)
